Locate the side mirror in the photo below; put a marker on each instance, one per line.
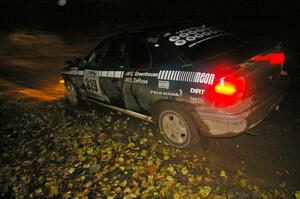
(78, 60)
(81, 64)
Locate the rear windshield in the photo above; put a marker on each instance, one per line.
(208, 47)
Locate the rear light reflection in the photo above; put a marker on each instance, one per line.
(274, 58)
(277, 58)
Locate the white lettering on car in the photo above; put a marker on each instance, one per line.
(187, 76)
(166, 93)
(197, 91)
(145, 74)
(140, 81)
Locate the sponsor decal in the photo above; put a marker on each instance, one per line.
(193, 34)
(164, 84)
(199, 35)
(187, 76)
(197, 91)
(167, 93)
(145, 74)
(191, 38)
(183, 34)
(174, 38)
(196, 100)
(180, 42)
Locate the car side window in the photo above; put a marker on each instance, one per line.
(115, 54)
(139, 55)
(95, 58)
(163, 56)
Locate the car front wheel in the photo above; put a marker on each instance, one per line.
(72, 94)
(177, 126)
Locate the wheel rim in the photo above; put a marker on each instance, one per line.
(72, 94)
(174, 127)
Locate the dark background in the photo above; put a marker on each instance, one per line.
(258, 19)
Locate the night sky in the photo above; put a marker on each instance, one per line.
(258, 17)
(48, 14)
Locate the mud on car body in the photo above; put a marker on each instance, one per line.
(190, 80)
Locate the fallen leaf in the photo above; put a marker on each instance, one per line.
(53, 190)
(297, 195)
(184, 171)
(223, 175)
(38, 190)
(204, 191)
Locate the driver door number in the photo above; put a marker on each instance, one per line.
(91, 83)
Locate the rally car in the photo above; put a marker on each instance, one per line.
(192, 80)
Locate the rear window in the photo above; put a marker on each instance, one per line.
(209, 47)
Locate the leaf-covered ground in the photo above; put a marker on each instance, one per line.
(52, 150)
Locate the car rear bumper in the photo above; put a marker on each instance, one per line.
(229, 122)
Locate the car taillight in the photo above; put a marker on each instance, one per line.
(226, 91)
(274, 58)
(225, 88)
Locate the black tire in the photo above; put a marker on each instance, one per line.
(176, 126)
(73, 96)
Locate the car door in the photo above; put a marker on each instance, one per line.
(92, 73)
(139, 77)
(111, 71)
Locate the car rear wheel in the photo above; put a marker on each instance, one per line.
(176, 126)
(72, 94)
